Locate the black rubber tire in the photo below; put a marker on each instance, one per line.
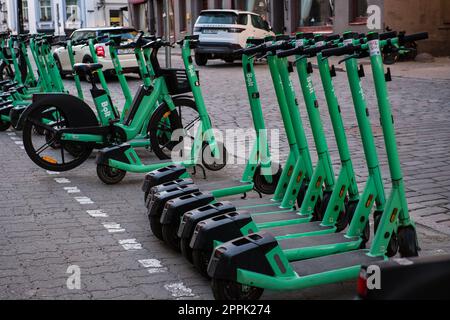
(4, 125)
(59, 66)
(200, 260)
(223, 157)
(319, 214)
(407, 241)
(154, 124)
(29, 148)
(301, 193)
(169, 233)
(156, 227)
(365, 236)
(230, 290)
(261, 184)
(201, 59)
(229, 60)
(6, 72)
(393, 245)
(109, 175)
(346, 216)
(186, 249)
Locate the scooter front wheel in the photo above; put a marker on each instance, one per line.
(186, 249)
(261, 183)
(169, 233)
(209, 161)
(109, 175)
(156, 227)
(40, 148)
(200, 259)
(231, 290)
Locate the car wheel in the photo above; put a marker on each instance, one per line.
(201, 59)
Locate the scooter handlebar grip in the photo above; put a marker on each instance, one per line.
(413, 37)
(290, 52)
(340, 51)
(388, 35)
(253, 50)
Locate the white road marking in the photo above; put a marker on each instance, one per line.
(20, 143)
(72, 189)
(62, 180)
(11, 133)
(179, 290)
(22, 147)
(113, 227)
(97, 213)
(84, 200)
(130, 244)
(153, 265)
(52, 172)
(14, 137)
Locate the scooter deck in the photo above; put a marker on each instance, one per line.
(220, 184)
(315, 241)
(297, 228)
(333, 262)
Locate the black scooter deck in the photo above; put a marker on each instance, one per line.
(333, 262)
(314, 241)
(296, 228)
(279, 216)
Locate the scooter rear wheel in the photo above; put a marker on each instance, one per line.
(186, 249)
(393, 245)
(156, 227)
(109, 175)
(169, 233)
(39, 149)
(231, 290)
(261, 183)
(200, 260)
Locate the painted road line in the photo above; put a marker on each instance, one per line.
(14, 137)
(84, 200)
(113, 227)
(52, 172)
(153, 265)
(179, 290)
(72, 189)
(130, 244)
(11, 133)
(20, 143)
(62, 180)
(97, 213)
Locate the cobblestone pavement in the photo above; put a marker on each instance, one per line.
(49, 221)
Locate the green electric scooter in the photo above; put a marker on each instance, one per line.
(242, 268)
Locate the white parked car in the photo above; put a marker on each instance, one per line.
(224, 31)
(83, 54)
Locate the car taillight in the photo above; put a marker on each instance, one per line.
(362, 283)
(100, 51)
(235, 30)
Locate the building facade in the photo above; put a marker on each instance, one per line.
(320, 16)
(61, 17)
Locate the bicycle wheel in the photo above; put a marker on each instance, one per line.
(48, 151)
(164, 122)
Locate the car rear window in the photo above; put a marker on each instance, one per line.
(127, 34)
(218, 18)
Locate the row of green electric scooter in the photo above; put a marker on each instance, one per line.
(315, 230)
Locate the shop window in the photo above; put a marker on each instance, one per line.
(312, 13)
(182, 8)
(25, 11)
(45, 12)
(358, 11)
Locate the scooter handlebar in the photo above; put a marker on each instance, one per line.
(340, 51)
(412, 37)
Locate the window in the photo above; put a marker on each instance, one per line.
(182, 8)
(72, 11)
(242, 19)
(25, 10)
(217, 18)
(315, 13)
(358, 11)
(45, 10)
(258, 22)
